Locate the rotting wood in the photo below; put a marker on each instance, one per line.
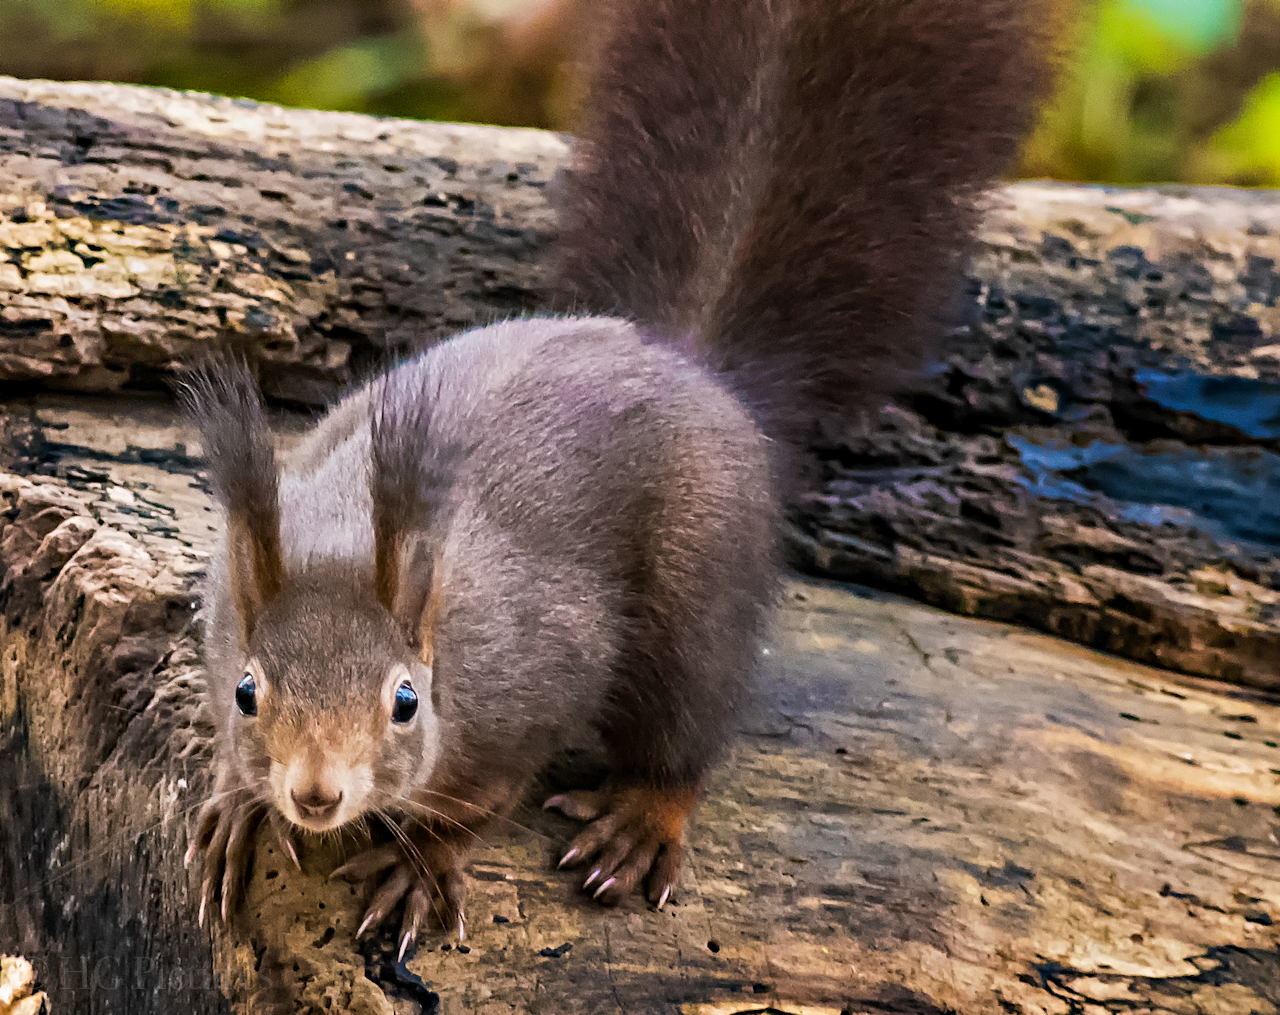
(139, 225)
(923, 814)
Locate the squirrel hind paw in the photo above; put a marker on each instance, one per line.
(637, 836)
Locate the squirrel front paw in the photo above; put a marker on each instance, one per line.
(224, 838)
(634, 832)
(429, 879)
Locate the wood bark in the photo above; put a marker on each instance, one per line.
(1097, 455)
(139, 226)
(923, 813)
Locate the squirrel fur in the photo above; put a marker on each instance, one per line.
(571, 521)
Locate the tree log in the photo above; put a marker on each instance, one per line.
(141, 225)
(1097, 458)
(923, 813)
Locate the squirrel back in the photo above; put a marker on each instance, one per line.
(787, 188)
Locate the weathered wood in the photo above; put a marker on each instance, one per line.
(1098, 455)
(139, 225)
(923, 813)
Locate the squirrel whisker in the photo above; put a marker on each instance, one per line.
(476, 808)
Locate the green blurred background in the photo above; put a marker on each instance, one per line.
(1158, 90)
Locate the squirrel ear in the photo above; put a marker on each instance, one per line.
(253, 542)
(410, 475)
(222, 399)
(405, 580)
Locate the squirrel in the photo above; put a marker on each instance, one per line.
(572, 520)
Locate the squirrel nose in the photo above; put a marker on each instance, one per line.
(315, 803)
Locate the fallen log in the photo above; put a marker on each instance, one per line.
(1097, 456)
(922, 814)
(140, 225)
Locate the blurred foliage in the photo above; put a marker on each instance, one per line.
(494, 61)
(1156, 90)
(1167, 91)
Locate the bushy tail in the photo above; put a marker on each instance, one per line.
(790, 185)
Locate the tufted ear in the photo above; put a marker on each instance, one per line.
(410, 476)
(222, 399)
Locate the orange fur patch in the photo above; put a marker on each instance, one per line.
(428, 628)
(665, 810)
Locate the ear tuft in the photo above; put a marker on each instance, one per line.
(222, 400)
(412, 470)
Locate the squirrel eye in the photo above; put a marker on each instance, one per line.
(406, 706)
(247, 695)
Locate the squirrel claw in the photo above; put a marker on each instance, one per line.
(281, 828)
(417, 907)
(580, 804)
(638, 838)
(365, 865)
(346, 871)
(604, 887)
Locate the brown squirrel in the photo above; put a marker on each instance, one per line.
(565, 521)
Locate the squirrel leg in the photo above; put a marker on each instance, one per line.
(224, 839)
(692, 614)
(422, 868)
(634, 832)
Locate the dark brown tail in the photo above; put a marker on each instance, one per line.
(790, 185)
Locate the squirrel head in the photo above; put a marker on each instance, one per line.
(335, 711)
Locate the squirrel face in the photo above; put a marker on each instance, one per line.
(333, 712)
